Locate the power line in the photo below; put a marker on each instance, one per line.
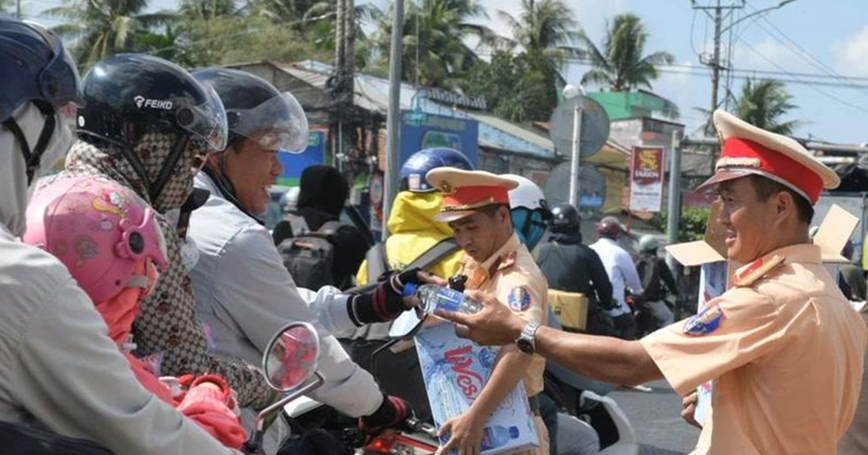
(803, 53)
(813, 85)
(741, 73)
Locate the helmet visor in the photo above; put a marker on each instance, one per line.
(60, 80)
(277, 124)
(206, 122)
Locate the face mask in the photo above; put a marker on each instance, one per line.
(13, 177)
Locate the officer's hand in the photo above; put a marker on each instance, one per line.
(465, 434)
(688, 408)
(495, 324)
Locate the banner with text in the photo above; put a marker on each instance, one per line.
(646, 179)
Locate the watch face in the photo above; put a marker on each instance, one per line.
(524, 346)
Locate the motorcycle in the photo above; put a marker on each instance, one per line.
(416, 436)
(289, 366)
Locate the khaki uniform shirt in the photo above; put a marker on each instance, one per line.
(785, 351)
(511, 275)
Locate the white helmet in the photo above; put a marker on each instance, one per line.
(527, 194)
(528, 210)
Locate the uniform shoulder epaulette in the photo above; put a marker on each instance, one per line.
(756, 270)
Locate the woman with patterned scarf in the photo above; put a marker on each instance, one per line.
(147, 124)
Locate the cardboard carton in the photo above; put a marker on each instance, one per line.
(455, 371)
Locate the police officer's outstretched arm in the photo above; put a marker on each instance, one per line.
(604, 358)
(70, 375)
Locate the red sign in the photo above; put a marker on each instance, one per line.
(646, 179)
(647, 166)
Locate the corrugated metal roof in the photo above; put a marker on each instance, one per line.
(513, 129)
(371, 93)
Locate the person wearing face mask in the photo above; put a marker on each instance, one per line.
(61, 371)
(112, 245)
(147, 124)
(243, 290)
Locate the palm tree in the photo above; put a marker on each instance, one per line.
(545, 27)
(102, 28)
(435, 53)
(620, 65)
(763, 103)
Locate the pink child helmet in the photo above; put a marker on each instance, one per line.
(98, 229)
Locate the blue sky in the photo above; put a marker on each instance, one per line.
(828, 37)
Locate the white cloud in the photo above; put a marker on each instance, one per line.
(767, 55)
(851, 54)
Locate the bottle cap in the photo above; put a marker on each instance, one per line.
(409, 289)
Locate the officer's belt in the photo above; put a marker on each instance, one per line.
(533, 402)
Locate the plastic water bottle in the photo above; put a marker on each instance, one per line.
(435, 297)
(497, 436)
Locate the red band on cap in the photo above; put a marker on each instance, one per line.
(470, 197)
(775, 163)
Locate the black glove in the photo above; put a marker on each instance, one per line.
(391, 414)
(384, 303)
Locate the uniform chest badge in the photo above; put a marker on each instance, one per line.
(519, 299)
(707, 321)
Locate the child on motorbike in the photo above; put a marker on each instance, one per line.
(112, 244)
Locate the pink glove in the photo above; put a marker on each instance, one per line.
(212, 410)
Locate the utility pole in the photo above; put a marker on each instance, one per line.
(393, 151)
(18, 9)
(716, 13)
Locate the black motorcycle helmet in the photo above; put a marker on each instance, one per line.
(128, 95)
(565, 219)
(256, 110)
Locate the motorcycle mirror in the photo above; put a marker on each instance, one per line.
(288, 365)
(292, 356)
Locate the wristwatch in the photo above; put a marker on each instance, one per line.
(526, 340)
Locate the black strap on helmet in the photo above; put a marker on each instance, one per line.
(227, 190)
(33, 157)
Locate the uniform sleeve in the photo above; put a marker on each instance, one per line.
(525, 295)
(168, 322)
(73, 379)
(261, 298)
(735, 329)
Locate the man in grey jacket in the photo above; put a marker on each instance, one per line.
(60, 370)
(244, 292)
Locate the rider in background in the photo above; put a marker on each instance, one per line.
(658, 283)
(61, 371)
(622, 274)
(118, 247)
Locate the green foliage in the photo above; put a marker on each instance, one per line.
(518, 87)
(101, 28)
(252, 39)
(620, 65)
(763, 103)
(691, 227)
(434, 51)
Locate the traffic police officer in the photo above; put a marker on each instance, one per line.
(782, 345)
(476, 206)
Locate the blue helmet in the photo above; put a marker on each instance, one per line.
(34, 66)
(417, 166)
